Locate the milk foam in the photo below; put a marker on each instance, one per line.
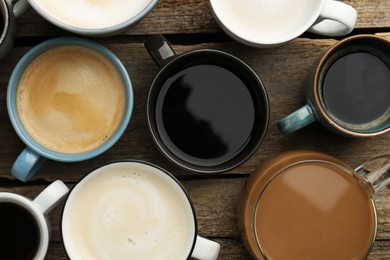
(70, 99)
(93, 14)
(264, 19)
(126, 211)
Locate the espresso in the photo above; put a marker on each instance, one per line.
(265, 19)
(71, 99)
(19, 232)
(205, 114)
(128, 211)
(315, 210)
(92, 14)
(356, 90)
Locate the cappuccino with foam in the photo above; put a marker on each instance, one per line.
(93, 14)
(269, 23)
(71, 99)
(128, 210)
(265, 19)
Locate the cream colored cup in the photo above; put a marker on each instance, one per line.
(269, 23)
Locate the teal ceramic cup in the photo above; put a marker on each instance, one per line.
(348, 89)
(32, 157)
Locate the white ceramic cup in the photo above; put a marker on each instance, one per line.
(270, 23)
(90, 18)
(38, 208)
(132, 210)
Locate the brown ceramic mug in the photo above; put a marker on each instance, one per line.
(309, 205)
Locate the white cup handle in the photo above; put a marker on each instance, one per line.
(336, 19)
(50, 196)
(205, 249)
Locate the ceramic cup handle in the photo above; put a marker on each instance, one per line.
(51, 196)
(297, 120)
(159, 49)
(27, 164)
(205, 249)
(20, 7)
(336, 19)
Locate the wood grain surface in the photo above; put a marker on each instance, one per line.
(189, 25)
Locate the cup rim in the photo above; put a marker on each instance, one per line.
(140, 162)
(13, 85)
(38, 216)
(303, 161)
(105, 31)
(316, 93)
(192, 167)
(265, 42)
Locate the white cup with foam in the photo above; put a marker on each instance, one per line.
(92, 18)
(270, 23)
(132, 210)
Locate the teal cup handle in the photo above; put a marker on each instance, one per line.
(297, 120)
(27, 164)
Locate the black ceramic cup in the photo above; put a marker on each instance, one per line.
(207, 111)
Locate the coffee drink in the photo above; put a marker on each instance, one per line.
(94, 14)
(206, 114)
(71, 99)
(315, 210)
(1, 25)
(128, 210)
(259, 20)
(356, 90)
(19, 236)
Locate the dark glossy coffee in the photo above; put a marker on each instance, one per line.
(19, 233)
(205, 114)
(356, 90)
(1, 23)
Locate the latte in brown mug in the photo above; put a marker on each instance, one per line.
(70, 99)
(309, 205)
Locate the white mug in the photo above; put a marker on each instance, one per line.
(132, 210)
(24, 225)
(270, 23)
(90, 18)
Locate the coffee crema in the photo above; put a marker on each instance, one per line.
(70, 99)
(128, 211)
(315, 210)
(265, 19)
(92, 14)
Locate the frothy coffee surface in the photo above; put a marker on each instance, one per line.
(315, 211)
(127, 211)
(71, 99)
(93, 14)
(264, 20)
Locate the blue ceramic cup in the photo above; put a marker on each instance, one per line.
(348, 89)
(32, 157)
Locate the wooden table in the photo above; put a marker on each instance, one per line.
(188, 25)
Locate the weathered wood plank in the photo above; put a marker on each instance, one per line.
(283, 71)
(194, 16)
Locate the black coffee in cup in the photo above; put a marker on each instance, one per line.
(19, 232)
(1, 23)
(206, 114)
(356, 89)
(207, 110)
